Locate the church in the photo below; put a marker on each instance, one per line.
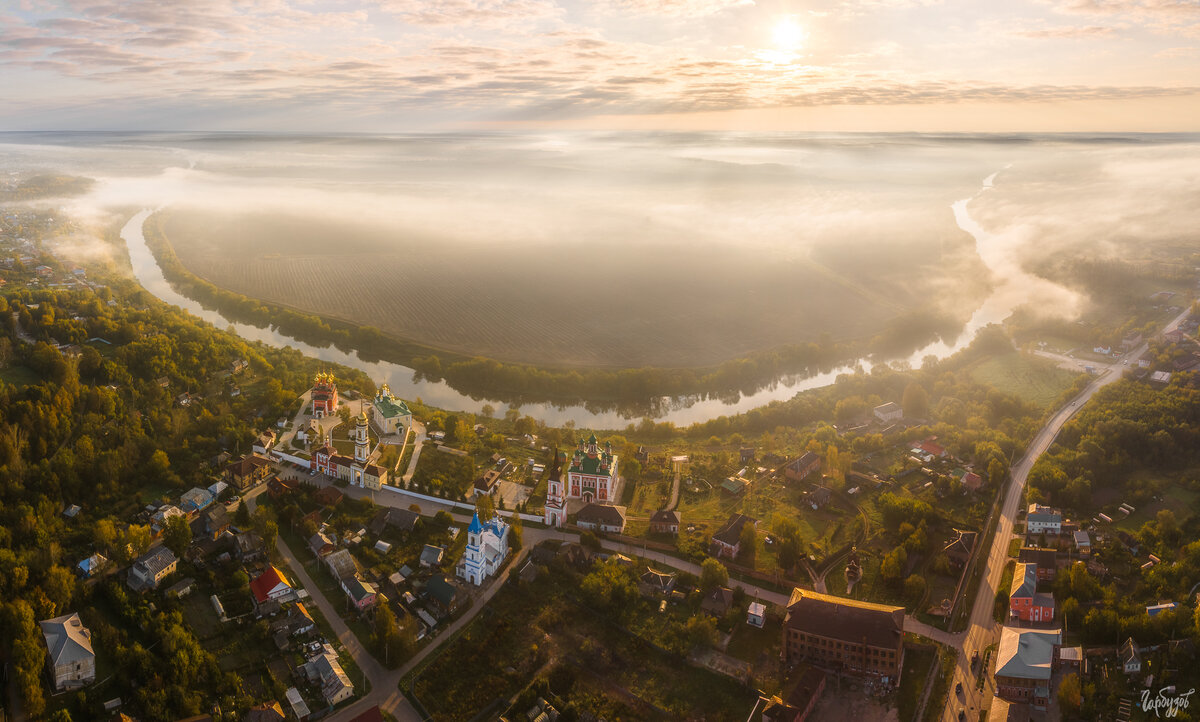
(389, 413)
(487, 548)
(359, 471)
(591, 478)
(324, 395)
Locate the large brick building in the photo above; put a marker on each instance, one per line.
(844, 634)
(1024, 664)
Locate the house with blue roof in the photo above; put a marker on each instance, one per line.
(1155, 610)
(487, 548)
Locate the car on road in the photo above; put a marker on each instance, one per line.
(958, 688)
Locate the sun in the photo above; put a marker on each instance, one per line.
(788, 35)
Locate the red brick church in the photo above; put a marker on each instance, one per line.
(324, 395)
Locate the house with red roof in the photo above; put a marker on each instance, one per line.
(271, 585)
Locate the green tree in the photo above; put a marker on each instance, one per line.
(1070, 695)
(177, 535)
(915, 401)
(914, 589)
(701, 631)
(516, 532)
(484, 507)
(713, 574)
(748, 541)
(893, 564)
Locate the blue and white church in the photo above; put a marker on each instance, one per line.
(487, 547)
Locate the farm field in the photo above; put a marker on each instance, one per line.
(1025, 376)
(523, 306)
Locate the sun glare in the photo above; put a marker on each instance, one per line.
(788, 35)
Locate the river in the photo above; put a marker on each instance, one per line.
(994, 249)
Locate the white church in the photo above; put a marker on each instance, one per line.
(487, 547)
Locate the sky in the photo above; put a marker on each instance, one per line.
(746, 65)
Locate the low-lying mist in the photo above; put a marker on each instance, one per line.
(671, 249)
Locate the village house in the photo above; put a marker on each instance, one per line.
(958, 550)
(341, 564)
(801, 468)
(1130, 656)
(70, 660)
(664, 522)
(270, 586)
(1083, 544)
(195, 500)
(601, 517)
(320, 544)
(844, 634)
(891, 411)
(151, 568)
(328, 496)
(247, 471)
(265, 712)
(446, 596)
(1043, 519)
(403, 520)
(653, 582)
(756, 614)
(431, 556)
(1046, 561)
(1024, 601)
(969, 479)
(718, 602)
(248, 547)
(727, 541)
(326, 671)
(1024, 664)
(91, 565)
(216, 521)
(360, 593)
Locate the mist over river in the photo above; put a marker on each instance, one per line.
(624, 250)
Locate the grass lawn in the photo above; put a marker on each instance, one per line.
(19, 375)
(1025, 376)
(1177, 499)
(918, 663)
(528, 630)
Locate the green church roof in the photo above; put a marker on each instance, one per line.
(391, 408)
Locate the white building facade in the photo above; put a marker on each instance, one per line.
(487, 548)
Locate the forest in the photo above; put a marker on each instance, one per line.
(519, 383)
(102, 429)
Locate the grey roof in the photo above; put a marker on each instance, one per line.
(155, 561)
(318, 542)
(1027, 653)
(341, 564)
(662, 516)
(602, 514)
(1082, 539)
(731, 533)
(431, 554)
(1024, 582)
(1130, 652)
(67, 640)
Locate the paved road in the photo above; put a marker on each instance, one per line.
(984, 630)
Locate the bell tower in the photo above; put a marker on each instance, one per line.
(556, 512)
(362, 444)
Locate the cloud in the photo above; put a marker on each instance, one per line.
(1065, 32)
(1190, 51)
(670, 8)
